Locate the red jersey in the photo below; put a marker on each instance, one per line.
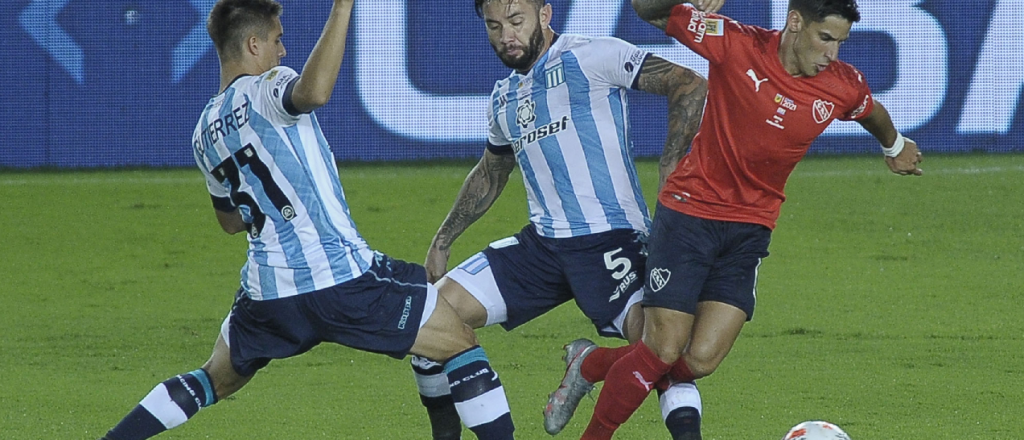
(759, 120)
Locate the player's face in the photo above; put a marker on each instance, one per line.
(272, 49)
(817, 44)
(515, 29)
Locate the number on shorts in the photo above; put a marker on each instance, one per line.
(612, 265)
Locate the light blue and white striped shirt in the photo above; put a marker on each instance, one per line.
(278, 170)
(567, 123)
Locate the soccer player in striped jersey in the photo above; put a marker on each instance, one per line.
(310, 277)
(770, 94)
(562, 116)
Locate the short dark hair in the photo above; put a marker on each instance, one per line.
(231, 21)
(817, 10)
(480, 5)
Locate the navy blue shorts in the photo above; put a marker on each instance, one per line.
(599, 271)
(378, 312)
(693, 259)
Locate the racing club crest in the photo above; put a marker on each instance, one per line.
(524, 114)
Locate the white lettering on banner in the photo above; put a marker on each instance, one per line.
(922, 64)
(992, 99)
(396, 104)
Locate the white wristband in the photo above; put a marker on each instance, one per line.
(896, 147)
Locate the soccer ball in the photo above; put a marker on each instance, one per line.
(816, 430)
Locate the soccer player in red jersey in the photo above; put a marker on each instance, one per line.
(770, 94)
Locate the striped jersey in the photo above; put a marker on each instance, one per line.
(278, 171)
(567, 123)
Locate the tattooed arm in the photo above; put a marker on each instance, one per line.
(686, 91)
(656, 12)
(482, 187)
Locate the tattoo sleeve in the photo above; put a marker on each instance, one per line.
(686, 91)
(482, 187)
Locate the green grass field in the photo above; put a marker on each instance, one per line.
(890, 305)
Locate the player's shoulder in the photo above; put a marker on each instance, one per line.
(847, 74)
(578, 43)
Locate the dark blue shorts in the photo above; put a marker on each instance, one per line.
(377, 312)
(599, 271)
(693, 259)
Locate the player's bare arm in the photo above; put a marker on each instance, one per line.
(656, 12)
(686, 91)
(314, 87)
(482, 187)
(231, 222)
(880, 125)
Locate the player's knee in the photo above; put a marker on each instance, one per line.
(702, 362)
(469, 310)
(667, 351)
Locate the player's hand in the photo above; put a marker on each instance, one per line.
(436, 263)
(905, 163)
(711, 6)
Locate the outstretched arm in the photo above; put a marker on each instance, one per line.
(314, 87)
(902, 155)
(482, 187)
(656, 12)
(686, 91)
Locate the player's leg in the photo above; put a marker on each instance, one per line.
(606, 273)
(727, 300)
(431, 380)
(511, 282)
(682, 251)
(174, 401)
(681, 409)
(476, 390)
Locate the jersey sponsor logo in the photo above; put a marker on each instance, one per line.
(637, 57)
(271, 75)
(822, 110)
(700, 25)
(525, 114)
(659, 278)
(757, 82)
(863, 106)
(554, 77)
(785, 102)
(784, 105)
(540, 133)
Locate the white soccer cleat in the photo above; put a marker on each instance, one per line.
(563, 402)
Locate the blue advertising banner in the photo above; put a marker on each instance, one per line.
(93, 83)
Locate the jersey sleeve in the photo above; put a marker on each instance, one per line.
(709, 35)
(497, 141)
(272, 95)
(220, 194)
(861, 101)
(611, 61)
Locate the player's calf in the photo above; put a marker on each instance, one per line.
(436, 397)
(478, 395)
(168, 405)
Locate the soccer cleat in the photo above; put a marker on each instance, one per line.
(563, 402)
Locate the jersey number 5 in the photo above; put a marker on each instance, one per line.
(229, 171)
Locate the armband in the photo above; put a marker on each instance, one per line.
(896, 147)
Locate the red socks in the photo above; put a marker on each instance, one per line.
(627, 384)
(599, 361)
